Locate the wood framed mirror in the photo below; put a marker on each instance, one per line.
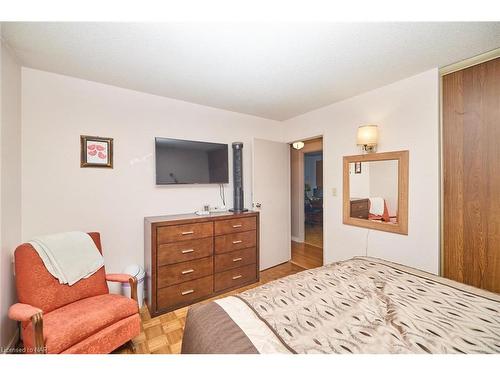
(376, 191)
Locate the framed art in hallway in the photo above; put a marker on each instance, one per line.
(357, 168)
(96, 152)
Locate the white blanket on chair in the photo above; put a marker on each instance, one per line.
(69, 256)
(376, 206)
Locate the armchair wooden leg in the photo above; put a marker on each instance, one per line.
(133, 289)
(131, 346)
(37, 321)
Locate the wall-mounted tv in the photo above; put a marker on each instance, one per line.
(190, 162)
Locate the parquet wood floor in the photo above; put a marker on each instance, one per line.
(313, 234)
(163, 334)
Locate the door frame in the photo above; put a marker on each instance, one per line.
(325, 190)
(460, 65)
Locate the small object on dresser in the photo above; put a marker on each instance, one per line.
(205, 211)
(238, 199)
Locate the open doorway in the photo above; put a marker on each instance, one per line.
(306, 163)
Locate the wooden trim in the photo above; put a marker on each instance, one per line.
(257, 233)
(441, 180)
(39, 344)
(403, 159)
(154, 269)
(467, 63)
(167, 220)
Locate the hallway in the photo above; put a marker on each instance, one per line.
(306, 256)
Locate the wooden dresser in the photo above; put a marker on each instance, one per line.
(189, 258)
(359, 208)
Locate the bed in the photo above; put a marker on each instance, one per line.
(361, 305)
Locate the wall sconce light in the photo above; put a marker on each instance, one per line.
(368, 137)
(298, 145)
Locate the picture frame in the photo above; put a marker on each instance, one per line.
(96, 152)
(357, 168)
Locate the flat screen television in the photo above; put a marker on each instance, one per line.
(190, 162)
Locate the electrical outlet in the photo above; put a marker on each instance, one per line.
(334, 192)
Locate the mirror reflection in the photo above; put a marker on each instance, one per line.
(373, 190)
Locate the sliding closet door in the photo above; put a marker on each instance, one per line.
(471, 161)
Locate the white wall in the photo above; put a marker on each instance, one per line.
(359, 183)
(384, 183)
(58, 195)
(407, 113)
(10, 171)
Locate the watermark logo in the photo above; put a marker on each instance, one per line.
(4, 350)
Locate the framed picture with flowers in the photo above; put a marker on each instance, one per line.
(96, 152)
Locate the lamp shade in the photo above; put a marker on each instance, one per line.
(368, 135)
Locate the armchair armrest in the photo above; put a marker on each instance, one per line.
(23, 312)
(123, 278)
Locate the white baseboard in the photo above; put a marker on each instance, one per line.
(12, 343)
(296, 239)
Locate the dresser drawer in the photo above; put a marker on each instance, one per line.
(185, 293)
(183, 251)
(181, 272)
(359, 205)
(235, 277)
(174, 233)
(234, 259)
(235, 225)
(235, 241)
(360, 214)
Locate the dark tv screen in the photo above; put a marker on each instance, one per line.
(190, 162)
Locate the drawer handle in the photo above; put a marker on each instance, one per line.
(187, 251)
(237, 225)
(187, 292)
(236, 277)
(188, 232)
(185, 272)
(237, 259)
(235, 242)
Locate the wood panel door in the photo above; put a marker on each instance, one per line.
(471, 168)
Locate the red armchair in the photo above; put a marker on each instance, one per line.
(82, 318)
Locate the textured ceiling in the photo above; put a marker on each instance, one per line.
(275, 71)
